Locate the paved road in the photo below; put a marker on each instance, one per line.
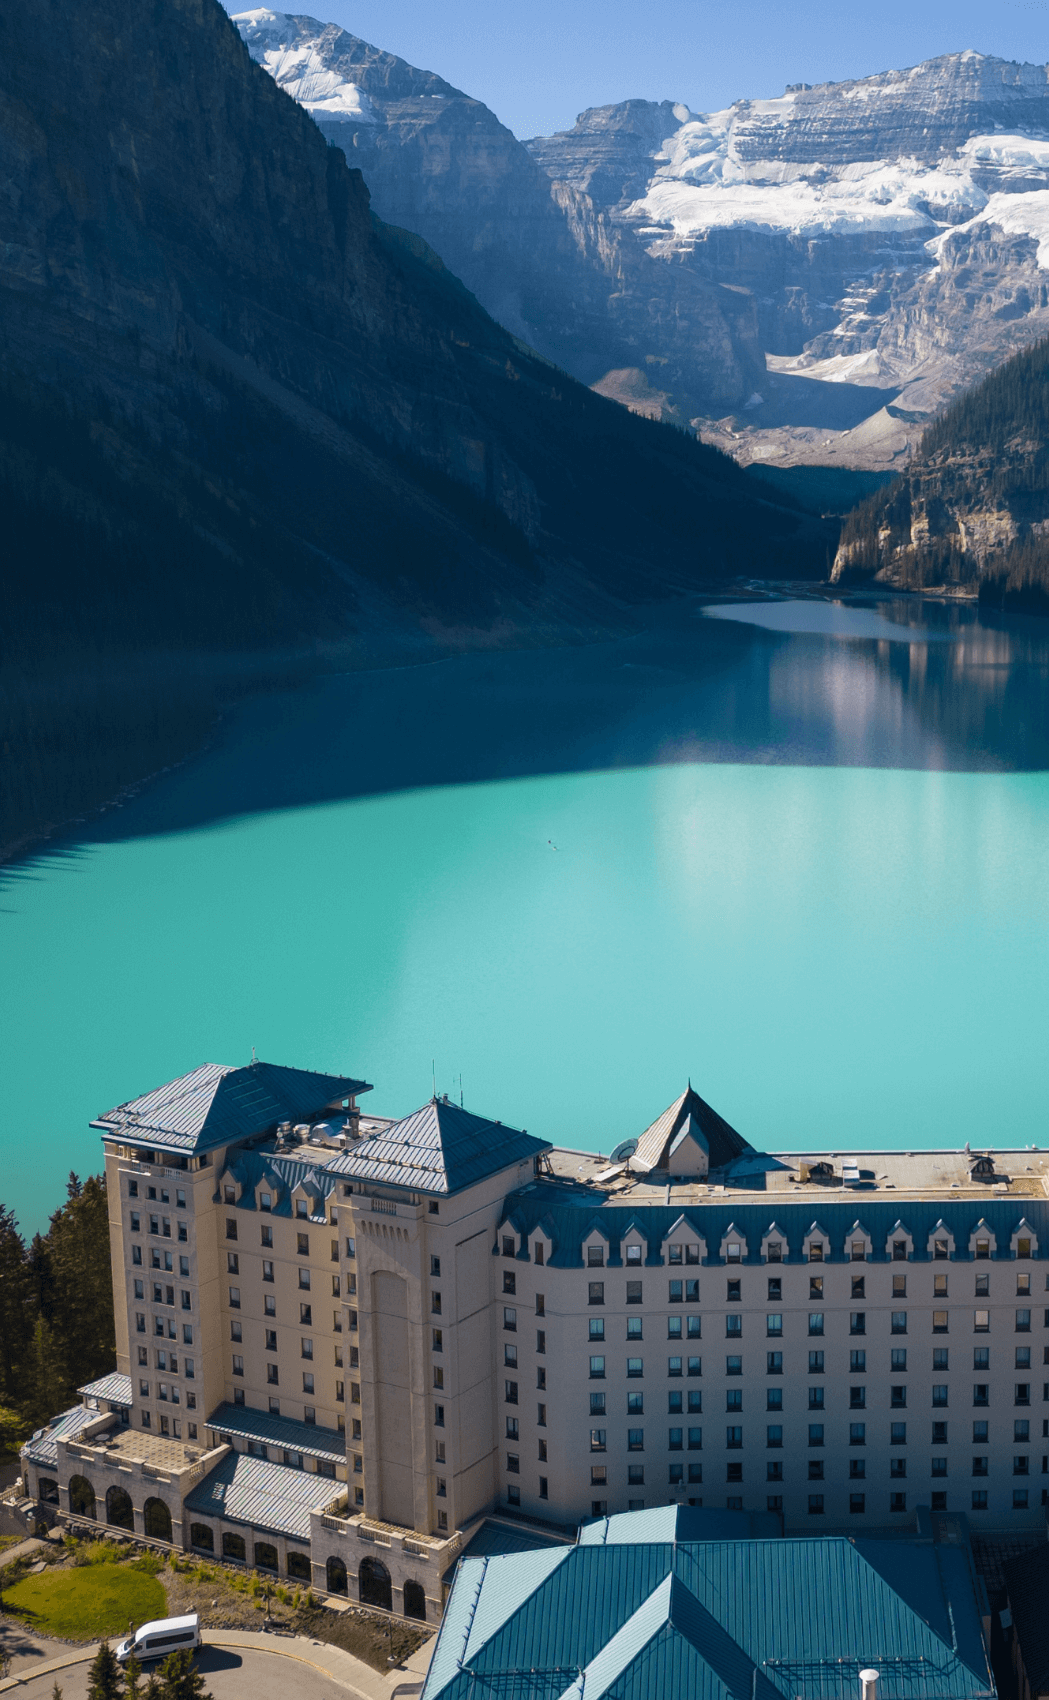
(248, 1666)
(231, 1674)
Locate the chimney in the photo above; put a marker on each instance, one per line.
(869, 1684)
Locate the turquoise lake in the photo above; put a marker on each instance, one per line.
(796, 851)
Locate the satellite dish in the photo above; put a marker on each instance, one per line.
(623, 1151)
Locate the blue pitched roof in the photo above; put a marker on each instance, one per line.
(42, 1446)
(281, 1175)
(217, 1104)
(662, 1523)
(115, 1388)
(569, 1216)
(725, 1620)
(242, 1489)
(440, 1148)
(283, 1432)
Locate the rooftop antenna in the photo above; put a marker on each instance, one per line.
(460, 1092)
(433, 1071)
(253, 1053)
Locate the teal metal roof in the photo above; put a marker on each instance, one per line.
(679, 1523)
(115, 1388)
(440, 1148)
(279, 1432)
(217, 1104)
(568, 1216)
(746, 1619)
(242, 1489)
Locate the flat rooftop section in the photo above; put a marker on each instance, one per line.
(138, 1446)
(760, 1176)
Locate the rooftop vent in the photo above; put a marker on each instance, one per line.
(868, 1685)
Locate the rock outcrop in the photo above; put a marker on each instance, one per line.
(971, 511)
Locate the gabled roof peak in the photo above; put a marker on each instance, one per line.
(723, 1144)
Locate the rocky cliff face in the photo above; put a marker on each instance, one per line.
(971, 511)
(241, 418)
(544, 259)
(891, 232)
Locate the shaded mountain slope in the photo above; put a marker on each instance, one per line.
(972, 509)
(245, 425)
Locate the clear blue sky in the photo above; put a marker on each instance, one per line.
(537, 64)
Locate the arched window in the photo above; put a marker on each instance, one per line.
(373, 1580)
(119, 1510)
(337, 1583)
(81, 1497)
(48, 1490)
(157, 1520)
(299, 1567)
(265, 1556)
(233, 1547)
(201, 1536)
(415, 1600)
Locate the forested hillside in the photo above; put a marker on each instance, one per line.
(972, 509)
(56, 1306)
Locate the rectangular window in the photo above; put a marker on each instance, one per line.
(897, 1397)
(981, 1321)
(898, 1360)
(897, 1434)
(815, 1434)
(733, 1326)
(695, 1440)
(858, 1363)
(540, 1340)
(857, 1434)
(635, 1366)
(674, 1329)
(232, 1263)
(597, 1327)
(939, 1322)
(899, 1322)
(634, 1330)
(509, 1315)
(675, 1439)
(539, 1258)
(234, 1298)
(734, 1438)
(597, 1369)
(1023, 1322)
(939, 1393)
(816, 1398)
(774, 1434)
(510, 1392)
(595, 1256)
(774, 1398)
(939, 1357)
(598, 1404)
(598, 1437)
(238, 1365)
(815, 1363)
(815, 1322)
(304, 1280)
(1022, 1393)
(674, 1366)
(676, 1292)
(633, 1292)
(815, 1505)
(858, 1322)
(773, 1363)
(438, 1415)
(635, 1439)
(596, 1293)
(773, 1324)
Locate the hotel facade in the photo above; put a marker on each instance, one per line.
(342, 1341)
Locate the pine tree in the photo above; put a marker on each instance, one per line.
(152, 1690)
(16, 1316)
(132, 1678)
(104, 1679)
(80, 1270)
(46, 1383)
(180, 1679)
(56, 1692)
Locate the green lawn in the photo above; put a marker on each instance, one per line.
(88, 1602)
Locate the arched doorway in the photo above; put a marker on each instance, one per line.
(415, 1600)
(337, 1583)
(201, 1536)
(157, 1520)
(373, 1580)
(265, 1556)
(119, 1510)
(299, 1567)
(81, 1497)
(233, 1547)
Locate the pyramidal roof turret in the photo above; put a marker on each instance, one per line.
(441, 1148)
(218, 1104)
(689, 1119)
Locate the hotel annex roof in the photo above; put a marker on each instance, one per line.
(217, 1104)
(284, 1433)
(440, 1148)
(243, 1489)
(714, 1619)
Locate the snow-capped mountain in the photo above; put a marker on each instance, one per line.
(893, 231)
(807, 278)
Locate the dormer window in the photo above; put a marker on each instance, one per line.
(633, 1254)
(732, 1251)
(229, 1194)
(300, 1208)
(774, 1251)
(815, 1251)
(265, 1201)
(595, 1256)
(675, 1254)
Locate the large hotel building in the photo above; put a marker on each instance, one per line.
(342, 1341)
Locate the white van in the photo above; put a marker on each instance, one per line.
(157, 1639)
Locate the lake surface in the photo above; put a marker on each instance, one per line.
(798, 851)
